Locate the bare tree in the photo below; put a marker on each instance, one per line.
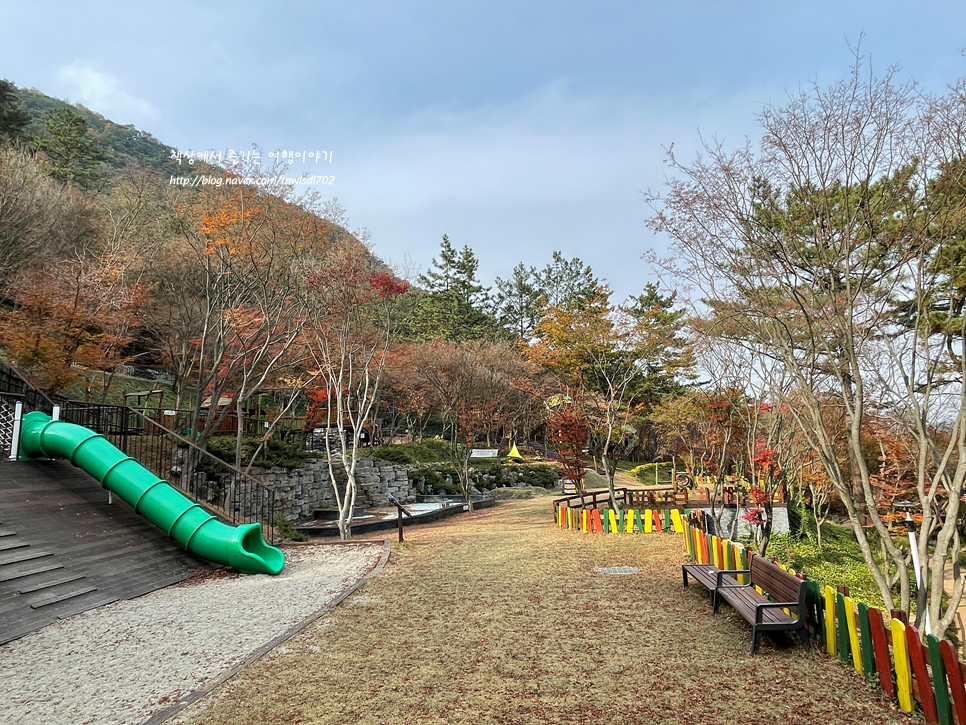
(348, 331)
(39, 217)
(819, 253)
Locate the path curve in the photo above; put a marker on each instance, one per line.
(147, 658)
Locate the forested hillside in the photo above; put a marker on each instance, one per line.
(123, 145)
(249, 295)
(104, 263)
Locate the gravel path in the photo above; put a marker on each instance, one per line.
(122, 663)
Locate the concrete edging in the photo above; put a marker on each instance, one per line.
(193, 697)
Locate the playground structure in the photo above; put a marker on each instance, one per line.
(241, 547)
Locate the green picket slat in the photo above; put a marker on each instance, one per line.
(816, 610)
(943, 702)
(844, 638)
(620, 520)
(865, 640)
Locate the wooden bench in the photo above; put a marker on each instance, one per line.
(761, 612)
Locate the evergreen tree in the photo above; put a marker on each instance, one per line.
(454, 306)
(69, 154)
(569, 284)
(13, 119)
(518, 302)
(522, 299)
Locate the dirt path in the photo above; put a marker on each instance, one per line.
(500, 617)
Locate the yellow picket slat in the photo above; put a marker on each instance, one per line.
(852, 623)
(648, 520)
(676, 520)
(830, 643)
(613, 521)
(900, 652)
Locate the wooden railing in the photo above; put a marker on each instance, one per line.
(591, 499)
(626, 497)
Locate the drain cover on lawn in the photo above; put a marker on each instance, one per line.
(618, 570)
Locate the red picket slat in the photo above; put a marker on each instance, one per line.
(955, 676)
(596, 525)
(883, 663)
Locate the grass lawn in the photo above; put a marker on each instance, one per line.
(500, 617)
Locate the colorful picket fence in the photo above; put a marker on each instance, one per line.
(882, 647)
(608, 521)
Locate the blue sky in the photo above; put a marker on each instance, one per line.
(515, 128)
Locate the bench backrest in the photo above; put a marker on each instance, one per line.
(777, 582)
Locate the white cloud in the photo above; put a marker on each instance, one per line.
(555, 169)
(101, 93)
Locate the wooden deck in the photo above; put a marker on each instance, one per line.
(64, 549)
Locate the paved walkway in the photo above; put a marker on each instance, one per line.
(125, 662)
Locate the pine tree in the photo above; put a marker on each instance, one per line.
(454, 307)
(568, 284)
(69, 154)
(13, 119)
(518, 302)
(522, 299)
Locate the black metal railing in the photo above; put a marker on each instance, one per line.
(14, 385)
(228, 491)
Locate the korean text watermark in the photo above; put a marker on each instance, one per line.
(250, 180)
(231, 156)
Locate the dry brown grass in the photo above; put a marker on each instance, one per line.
(500, 617)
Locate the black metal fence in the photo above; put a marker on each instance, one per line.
(14, 386)
(236, 496)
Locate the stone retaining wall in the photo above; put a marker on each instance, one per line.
(300, 491)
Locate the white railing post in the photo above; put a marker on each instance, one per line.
(55, 415)
(15, 438)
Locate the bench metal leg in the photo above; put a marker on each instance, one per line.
(755, 641)
(685, 573)
(803, 637)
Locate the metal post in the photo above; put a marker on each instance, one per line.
(916, 565)
(400, 512)
(15, 438)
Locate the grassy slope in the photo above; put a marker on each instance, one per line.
(500, 617)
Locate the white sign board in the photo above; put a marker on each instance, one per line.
(484, 453)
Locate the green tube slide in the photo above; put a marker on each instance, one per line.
(186, 522)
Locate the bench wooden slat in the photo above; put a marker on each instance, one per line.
(703, 573)
(760, 611)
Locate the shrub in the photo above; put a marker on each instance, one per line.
(436, 476)
(539, 474)
(485, 475)
(645, 472)
(276, 452)
(429, 451)
(285, 529)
